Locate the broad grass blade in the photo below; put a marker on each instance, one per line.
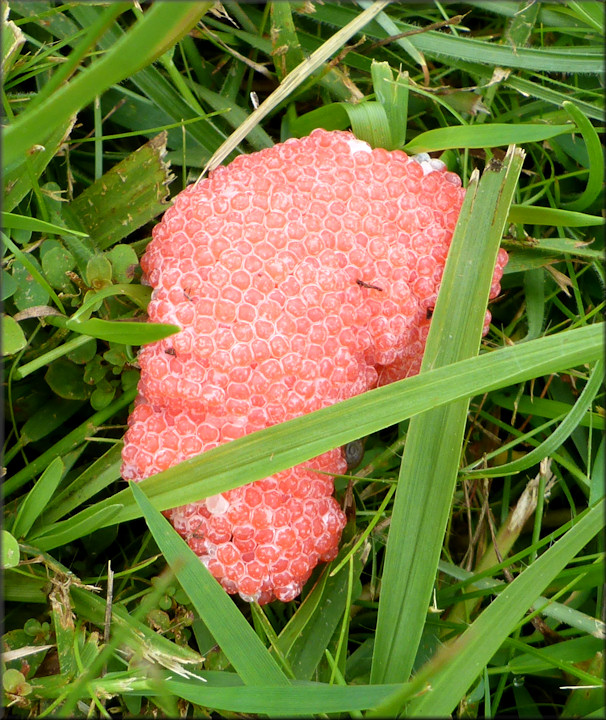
(300, 699)
(282, 446)
(433, 445)
(126, 197)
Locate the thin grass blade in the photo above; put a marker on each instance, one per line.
(37, 498)
(308, 633)
(482, 136)
(557, 437)
(595, 151)
(306, 700)
(534, 215)
(22, 222)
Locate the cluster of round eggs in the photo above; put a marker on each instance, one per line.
(301, 275)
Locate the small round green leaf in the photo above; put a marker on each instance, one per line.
(21, 235)
(67, 380)
(29, 292)
(13, 682)
(83, 354)
(94, 371)
(10, 550)
(129, 378)
(99, 272)
(102, 395)
(9, 285)
(124, 263)
(32, 627)
(55, 263)
(116, 355)
(13, 338)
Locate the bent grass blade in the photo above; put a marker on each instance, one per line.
(279, 447)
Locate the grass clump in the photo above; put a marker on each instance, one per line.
(469, 577)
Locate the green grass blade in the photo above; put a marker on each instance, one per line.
(389, 26)
(597, 484)
(276, 448)
(308, 633)
(144, 641)
(563, 655)
(12, 40)
(20, 180)
(547, 607)
(94, 31)
(139, 294)
(163, 101)
(330, 117)
(64, 532)
(23, 222)
(393, 96)
(302, 700)
(534, 290)
(286, 48)
(237, 639)
(433, 444)
(440, 45)
(125, 332)
(67, 443)
(99, 475)
(545, 408)
(128, 333)
(555, 97)
(534, 215)
(558, 246)
(369, 122)
(595, 152)
(162, 25)
(37, 498)
(450, 680)
(557, 437)
(481, 136)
